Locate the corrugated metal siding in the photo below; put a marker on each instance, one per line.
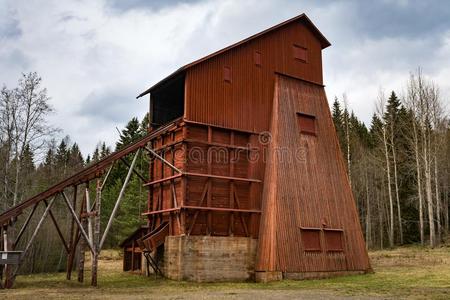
(246, 101)
(307, 187)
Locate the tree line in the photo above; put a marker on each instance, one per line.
(399, 165)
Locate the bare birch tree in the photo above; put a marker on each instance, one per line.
(381, 104)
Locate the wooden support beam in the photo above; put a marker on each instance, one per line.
(209, 183)
(231, 186)
(83, 241)
(89, 219)
(24, 226)
(80, 226)
(223, 177)
(33, 236)
(134, 170)
(76, 239)
(202, 199)
(96, 237)
(162, 159)
(219, 177)
(61, 236)
(155, 212)
(154, 182)
(222, 209)
(244, 225)
(71, 237)
(106, 176)
(119, 199)
(219, 145)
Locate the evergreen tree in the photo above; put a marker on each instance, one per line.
(105, 151)
(76, 161)
(131, 133)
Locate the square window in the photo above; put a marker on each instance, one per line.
(311, 239)
(300, 53)
(334, 240)
(306, 123)
(227, 74)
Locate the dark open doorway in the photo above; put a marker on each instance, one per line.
(167, 101)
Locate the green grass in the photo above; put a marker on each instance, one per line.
(407, 272)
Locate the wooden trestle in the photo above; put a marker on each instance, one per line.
(85, 226)
(202, 181)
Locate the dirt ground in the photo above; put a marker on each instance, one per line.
(409, 272)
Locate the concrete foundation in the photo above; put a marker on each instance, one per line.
(209, 258)
(268, 276)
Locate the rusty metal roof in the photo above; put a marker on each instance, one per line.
(303, 17)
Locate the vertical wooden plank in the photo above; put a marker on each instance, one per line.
(209, 192)
(82, 243)
(231, 184)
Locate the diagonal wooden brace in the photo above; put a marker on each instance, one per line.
(80, 227)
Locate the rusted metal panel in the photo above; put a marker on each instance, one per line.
(305, 189)
(300, 19)
(245, 102)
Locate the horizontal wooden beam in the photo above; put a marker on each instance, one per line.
(168, 145)
(189, 207)
(149, 213)
(202, 175)
(162, 180)
(223, 177)
(223, 209)
(220, 127)
(215, 144)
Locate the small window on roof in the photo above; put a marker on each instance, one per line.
(257, 58)
(306, 123)
(300, 53)
(227, 74)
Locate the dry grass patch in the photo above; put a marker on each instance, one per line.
(407, 272)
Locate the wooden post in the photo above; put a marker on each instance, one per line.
(1, 266)
(231, 184)
(96, 237)
(89, 221)
(82, 243)
(209, 194)
(132, 256)
(71, 237)
(119, 199)
(11, 277)
(8, 269)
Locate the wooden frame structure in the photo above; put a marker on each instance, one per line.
(85, 226)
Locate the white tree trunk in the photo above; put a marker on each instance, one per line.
(399, 211)
(391, 201)
(419, 183)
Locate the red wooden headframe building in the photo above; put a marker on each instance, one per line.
(251, 180)
(246, 179)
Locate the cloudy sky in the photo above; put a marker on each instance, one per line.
(96, 56)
